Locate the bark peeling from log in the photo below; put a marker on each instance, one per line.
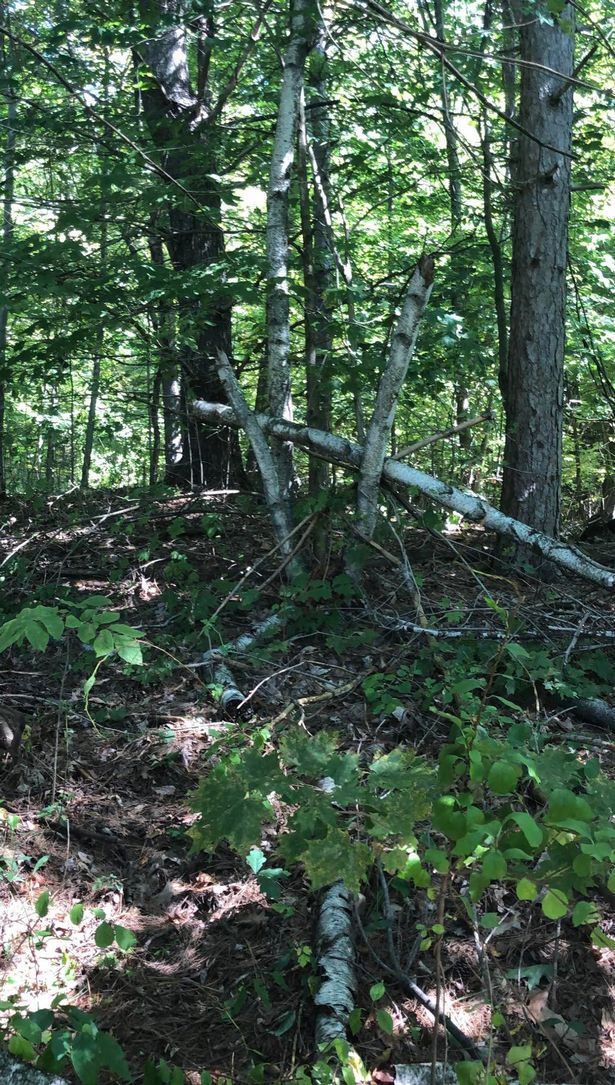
(336, 995)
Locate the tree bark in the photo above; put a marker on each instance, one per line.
(7, 237)
(278, 301)
(178, 122)
(534, 387)
(472, 508)
(391, 382)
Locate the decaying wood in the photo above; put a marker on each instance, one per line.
(335, 997)
(473, 508)
(13, 1072)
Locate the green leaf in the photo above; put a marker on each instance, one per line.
(21, 1048)
(517, 1054)
(585, 912)
(355, 1021)
(529, 827)
(104, 643)
(86, 1059)
(41, 906)
(49, 617)
(384, 1021)
(376, 991)
(526, 889)
(554, 904)
(112, 1056)
(104, 936)
(611, 882)
(337, 858)
(255, 859)
(125, 939)
(602, 940)
(76, 913)
(130, 652)
(470, 1073)
(565, 806)
(489, 920)
(503, 777)
(494, 865)
(10, 633)
(37, 635)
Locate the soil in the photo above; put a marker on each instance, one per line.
(220, 978)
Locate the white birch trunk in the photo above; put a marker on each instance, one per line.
(391, 382)
(276, 503)
(472, 508)
(278, 307)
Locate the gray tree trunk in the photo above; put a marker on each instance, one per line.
(183, 128)
(541, 177)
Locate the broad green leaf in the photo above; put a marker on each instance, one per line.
(104, 936)
(494, 865)
(130, 652)
(376, 991)
(585, 912)
(554, 904)
(337, 858)
(37, 635)
(503, 777)
(489, 920)
(112, 1056)
(255, 859)
(125, 938)
(10, 633)
(526, 889)
(565, 806)
(86, 1060)
(21, 1048)
(384, 1021)
(104, 643)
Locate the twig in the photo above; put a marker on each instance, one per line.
(410, 987)
(442, 435)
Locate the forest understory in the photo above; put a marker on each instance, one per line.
(222, 974)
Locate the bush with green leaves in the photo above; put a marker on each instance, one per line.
(495, 809)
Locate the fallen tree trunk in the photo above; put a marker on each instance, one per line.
(472, 508)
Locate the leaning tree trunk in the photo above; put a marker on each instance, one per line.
(535, 378)
(183, 127)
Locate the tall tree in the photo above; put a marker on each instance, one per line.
(183, 125)
(7, 226)
(541, 179)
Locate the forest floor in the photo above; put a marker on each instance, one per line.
(219, 978)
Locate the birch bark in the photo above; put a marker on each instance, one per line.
(278, 302)
(472, 508)
(391, 381)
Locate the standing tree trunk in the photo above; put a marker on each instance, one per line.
(183, 127)
(163, 322)
(7, 237)
(534, 391)
(278, 301)
(318, 267)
